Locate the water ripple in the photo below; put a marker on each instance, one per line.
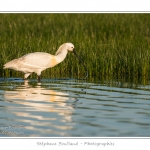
(73, 108)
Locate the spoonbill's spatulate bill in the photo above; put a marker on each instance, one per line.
(39, 61)
(81, 63)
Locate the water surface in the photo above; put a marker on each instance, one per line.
(73, 108)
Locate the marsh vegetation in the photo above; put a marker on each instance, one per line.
(111, 45)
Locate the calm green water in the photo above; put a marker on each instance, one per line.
(68, 108)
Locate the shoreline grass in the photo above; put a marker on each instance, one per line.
(115, 45)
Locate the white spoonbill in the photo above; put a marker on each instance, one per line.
(39, 61)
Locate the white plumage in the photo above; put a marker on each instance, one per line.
(39, 61)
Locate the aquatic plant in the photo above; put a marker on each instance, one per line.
(112, 45)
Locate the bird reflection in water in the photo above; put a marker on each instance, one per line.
(40, 103)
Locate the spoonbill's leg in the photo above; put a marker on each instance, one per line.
(39, 78)
(26, 75)
(39, 75)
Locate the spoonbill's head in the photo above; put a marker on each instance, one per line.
(70, 46)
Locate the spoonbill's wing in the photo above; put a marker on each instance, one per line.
(35, 60)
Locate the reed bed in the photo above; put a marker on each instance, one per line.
(111, 45)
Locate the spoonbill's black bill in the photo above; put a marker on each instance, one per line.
(81, 63)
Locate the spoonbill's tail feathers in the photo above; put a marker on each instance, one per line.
(12, 64)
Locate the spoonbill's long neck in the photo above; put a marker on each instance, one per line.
(61, 54)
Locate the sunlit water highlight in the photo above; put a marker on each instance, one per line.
(70, 108)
